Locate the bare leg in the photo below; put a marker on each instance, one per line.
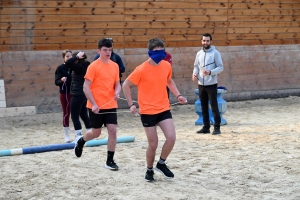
(92, 134)
(112, 136)
(152, 145)
(168, 128)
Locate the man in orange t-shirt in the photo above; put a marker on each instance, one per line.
(102, 88)
(151, 78)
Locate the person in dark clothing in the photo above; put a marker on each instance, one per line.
(78, 66)
(117, 59)
(63, 80)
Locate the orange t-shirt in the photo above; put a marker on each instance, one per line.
(103, 77)
(151, 82)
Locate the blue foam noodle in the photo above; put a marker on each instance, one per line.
(6, 152)
(121, 139)
(51, 147)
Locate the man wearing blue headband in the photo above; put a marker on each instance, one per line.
(151, 78)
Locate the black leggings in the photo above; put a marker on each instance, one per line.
(78, 109)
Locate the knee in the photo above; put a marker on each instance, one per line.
(153, 146)
(171, 138)
(96, 133)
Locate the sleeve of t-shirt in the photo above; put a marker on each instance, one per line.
(90, 72)
(135, 76)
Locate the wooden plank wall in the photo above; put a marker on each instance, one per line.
(57, 25)
(258, 40)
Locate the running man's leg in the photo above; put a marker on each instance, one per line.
(168, 128)
(152, 137)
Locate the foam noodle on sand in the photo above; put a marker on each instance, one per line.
(57, 147)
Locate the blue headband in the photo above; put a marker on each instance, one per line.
(157, 55)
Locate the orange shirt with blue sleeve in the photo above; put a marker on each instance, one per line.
(151, 82)
(103, 77)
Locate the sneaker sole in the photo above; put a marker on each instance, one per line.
(149, 180)
(162, 173)
(113, 169)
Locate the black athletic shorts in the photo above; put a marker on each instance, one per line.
(153, 120)
(109, 116)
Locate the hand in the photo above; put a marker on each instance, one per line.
(63, 79)
(80, 55)
(182, 100)
(117, 96)
(95, 109)
(133, 110)
(194, 78)
(206, 72)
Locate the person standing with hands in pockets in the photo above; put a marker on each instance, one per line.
(151, 78)
(102, 87)
(208, 64)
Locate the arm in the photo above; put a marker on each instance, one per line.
(219, 64)
(88, 93)
(196, 69)
(172, 86)
(59, 79)
(76, 67)
(117, 90)
(126, 90)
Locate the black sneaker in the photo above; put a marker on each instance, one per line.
(111, 165)
(204, 130)
(149, 175)
(162, 168)
(78, 149)
(216, 131)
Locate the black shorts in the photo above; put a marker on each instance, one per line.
(153, 120)
(109, 116)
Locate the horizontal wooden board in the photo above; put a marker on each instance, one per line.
(175, 11)
(109, 32)
(267, 18)
(80, 4)
(54, 18)
(132, 25)
(62, 11)
(263, 30)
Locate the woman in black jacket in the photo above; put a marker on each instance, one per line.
(78, 66)
(63, 80)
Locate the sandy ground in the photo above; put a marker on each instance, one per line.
(257, 156)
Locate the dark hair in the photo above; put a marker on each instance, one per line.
(207, 35)
(105, 42)
(65, 52)
(155, 42)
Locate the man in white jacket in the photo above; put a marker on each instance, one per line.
(208, 64)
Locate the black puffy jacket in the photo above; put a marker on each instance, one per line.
(78, 70)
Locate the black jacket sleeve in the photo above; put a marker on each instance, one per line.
(58, 76)
(78, 68)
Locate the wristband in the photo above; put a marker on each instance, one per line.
(131, 105)
(178, 96)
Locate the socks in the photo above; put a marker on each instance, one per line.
(110, 156)
(78, 133)
(161, 161)
(149, 168)
(66, 131)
